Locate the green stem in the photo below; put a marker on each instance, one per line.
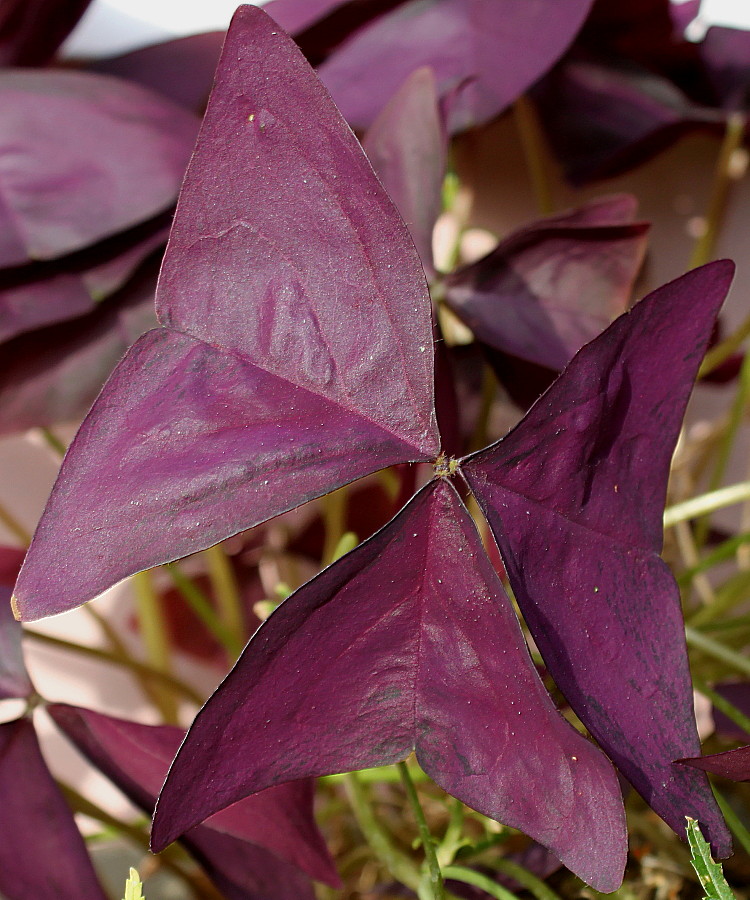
(201, 606)
(525, 878)
(480, 437)
(428, 842)
(532, 142)
(722, 704)
(226, 593)
(722, 552)
(398, 864)
(334, 520)
(143, 670)
(721, 352)
(714, 649)
(153, 628)
(53, 442)
(706, 503)
(724, 175)
(469, 876)
(733, 820)
(14, 526)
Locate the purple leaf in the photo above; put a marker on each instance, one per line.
(407, 145)
(72, 142)
(57, 291)
(31, 30)
(181, 69)
(14, 679)
(258, 848)
(298, 352)
(498, 49)
(574, 495)
(602, 121)
(738, 694)
(42, 854)
(732, 764)
(54, 374)
(297, 15)
(551, 287)
(408, 643)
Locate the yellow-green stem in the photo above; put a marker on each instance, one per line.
(53, 442)
(722, 704)
(477, 879)
(428, 842)
(706, 503)
(334, 519)
(733, 660)
(226, 593)
(153, 629)
(14, 526)
(724, 175)
(721, 352)
(535, 155)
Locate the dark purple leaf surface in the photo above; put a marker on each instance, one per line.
(499, 49)
(298, 349)
(574, 495)
(31, 30)
(73, 142)
(258, 848)
(54, 374)
(181, 69)
(407, 643)
(297, 15)
(732, 764)
(14, 679)
(68, 292)
(602, 121)
(726, 55)
(42, 854)
(408, 146)
(550, 288)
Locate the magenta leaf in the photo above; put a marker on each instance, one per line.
(54, 374)
(259, 848)
(45, 293)
(31, 30)
(732, 764)
(496, 49)
(14, 679)
(551, 287)
(407, 643)
(72, 142)
(181, 69)
(42, 854)
(407, 145)
(298, 349)
(574, 495)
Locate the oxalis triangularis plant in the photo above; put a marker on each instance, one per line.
(296, 356)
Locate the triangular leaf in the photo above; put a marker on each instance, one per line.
(297, 354)
(258, 847)
(732, 764)
(42, 854)
(407, 643)
(574, 495)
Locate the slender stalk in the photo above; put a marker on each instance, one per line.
(428, 842)
(480, 437)
(453, 838)
(226, 593)
(469, 876)
(334, 519)
(722, 552)
(201, 606)
(153, 628)
(733, 820)
(534, 151)
(14, 526)
(138, 668)
(722, 704)
(716, 650)
(525, 878)
(689, 553)
(53, 442)
(734, 591)
(706, 503)
(724, 175)
(721, 352)
(398, 864)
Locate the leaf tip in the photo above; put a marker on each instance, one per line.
(15, 608)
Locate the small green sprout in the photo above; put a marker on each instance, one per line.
(133, 886)
(709, 872)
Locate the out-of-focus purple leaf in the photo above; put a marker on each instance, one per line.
(738, 694)
(54, 374)
(407, 145)
(732, 764)
(57, 291)
(297, 15)
(574, 495)
(602, 121)
(407, 643)
(725, 53)
(298, 349)
(83, 156)
(550, 288)
(180, 69)
(42, 854)
(498, 49)
(258, 848)
(14, 679)
(31, 30)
